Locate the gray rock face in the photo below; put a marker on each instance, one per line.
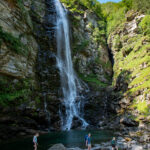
(18, 68)
(58, 147)
(14, 23)
(90, 54)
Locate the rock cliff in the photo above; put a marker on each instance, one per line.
(130, 47)
(20, 106)
(29, 78)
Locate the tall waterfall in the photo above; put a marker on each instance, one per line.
(69, 81)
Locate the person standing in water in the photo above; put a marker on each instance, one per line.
(114, 144)
(35, 141)
(88, 141)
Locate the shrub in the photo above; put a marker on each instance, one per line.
(11, 92)
(114, 14)
(82, 46)
(92, 78)
(92, 5)
(145, 25)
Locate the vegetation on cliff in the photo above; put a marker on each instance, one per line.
(114, 13)
(14, 92)
(123, 26)
(129, 39)
(17, 54)
(80, 5)
(12, 42)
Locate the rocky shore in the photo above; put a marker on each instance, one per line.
(123, 143)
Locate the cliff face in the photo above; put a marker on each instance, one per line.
(90, 53)
(18, 45)
(20, 105)
(29, 76)
(130, 47)
(89, 48)
(28, 72)
(91, 58)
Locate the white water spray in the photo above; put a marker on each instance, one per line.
(69, 81)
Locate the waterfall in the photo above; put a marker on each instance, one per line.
(69, 81)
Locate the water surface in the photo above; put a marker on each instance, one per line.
(74, 138)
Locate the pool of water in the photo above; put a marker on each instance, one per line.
(74, 138)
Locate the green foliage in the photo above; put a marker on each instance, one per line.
(104, 64)
(92, 78)
(135, 58)
(78, 5)
(117, 43)
(99, 35)
(75, 21)
(127, 3)
(72, 5)
(12, 42)
(142, 107)
(20, 5)
(137, 5)
(114, 14)
(145, 25)
(142, 6)
(81, 46)
(14, 92)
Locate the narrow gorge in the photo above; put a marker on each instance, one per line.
(72, 65)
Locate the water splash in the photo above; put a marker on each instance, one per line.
(69, 81)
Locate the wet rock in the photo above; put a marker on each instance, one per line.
(76, 123)
(135, 147)
(58, 147)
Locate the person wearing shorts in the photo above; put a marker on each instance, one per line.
(114, 144)
(35, 142)
(88, 141)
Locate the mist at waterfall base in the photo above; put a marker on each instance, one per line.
(69, 81)
(72, 138)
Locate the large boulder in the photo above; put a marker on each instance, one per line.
(58, 147)
(128, 121)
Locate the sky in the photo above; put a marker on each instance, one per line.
(104, 1)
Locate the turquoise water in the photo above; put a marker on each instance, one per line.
(74, 138)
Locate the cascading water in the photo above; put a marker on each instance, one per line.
(69, 81)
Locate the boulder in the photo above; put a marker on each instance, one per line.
(58, 147)
(145, 138)
(128, 122)
(136, 147)
(76, 148)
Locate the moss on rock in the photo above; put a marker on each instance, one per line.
(13, 43)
